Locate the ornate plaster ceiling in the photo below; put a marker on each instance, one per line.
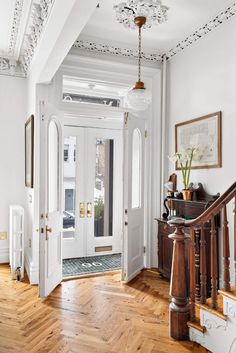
(21, 25)
(188, 21)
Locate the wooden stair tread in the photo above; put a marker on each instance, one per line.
(231, 294)
(208, 307)
(196, 325)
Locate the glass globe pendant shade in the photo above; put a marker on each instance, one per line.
(138, 97)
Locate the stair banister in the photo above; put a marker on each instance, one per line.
(182, 307)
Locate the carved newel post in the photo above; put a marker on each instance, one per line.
(179, 307)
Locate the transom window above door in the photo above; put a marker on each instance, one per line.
(81, 90)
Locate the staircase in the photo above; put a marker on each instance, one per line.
(211, 322)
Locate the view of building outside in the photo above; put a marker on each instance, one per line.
(103, 189)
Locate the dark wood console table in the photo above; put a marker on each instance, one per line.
(187, 210)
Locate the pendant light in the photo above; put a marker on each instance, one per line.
(138, 97)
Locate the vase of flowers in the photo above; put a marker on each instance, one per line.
(185, 160)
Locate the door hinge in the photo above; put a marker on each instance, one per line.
(42, 113)
(126, 223)
(146, 134)
(144, 249)
(126, 115)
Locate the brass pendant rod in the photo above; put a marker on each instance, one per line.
(139, 53)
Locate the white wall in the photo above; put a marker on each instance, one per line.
(202, 80)
(12, 119)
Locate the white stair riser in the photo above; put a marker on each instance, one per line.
(220, 335)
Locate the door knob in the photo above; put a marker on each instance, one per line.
(48, 230)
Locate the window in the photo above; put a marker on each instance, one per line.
(66, 153)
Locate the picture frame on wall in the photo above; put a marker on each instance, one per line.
(206, 134)
(29, 152)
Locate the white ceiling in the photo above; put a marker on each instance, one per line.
(184, 18)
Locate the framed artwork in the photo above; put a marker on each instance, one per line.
(204, 133)
(29, 152)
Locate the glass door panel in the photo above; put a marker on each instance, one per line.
(53, 162)
(74, 211)
(69, 182)
(103, 190)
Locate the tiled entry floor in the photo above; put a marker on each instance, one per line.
(93, 264)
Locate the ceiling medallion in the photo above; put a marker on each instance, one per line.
(153, 10)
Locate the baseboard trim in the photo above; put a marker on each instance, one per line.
(32, 271)
(4, 255)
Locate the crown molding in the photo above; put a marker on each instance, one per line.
(17, 13)
(39, 16)
(203, 31)
(92, 46)
(11, 67)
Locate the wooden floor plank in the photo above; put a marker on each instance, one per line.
(92, 315)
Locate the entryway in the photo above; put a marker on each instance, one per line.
(105, 183)
(93, 198)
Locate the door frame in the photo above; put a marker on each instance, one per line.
(114, 71)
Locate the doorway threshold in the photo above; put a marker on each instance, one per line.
(91, 266)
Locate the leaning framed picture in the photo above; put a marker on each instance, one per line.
(29, 152)
(205, 133)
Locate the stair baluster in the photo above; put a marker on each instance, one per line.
(203, 273)
(197, 264)
(235, 239)
(192, 283)
(213, 265)
(226, 251)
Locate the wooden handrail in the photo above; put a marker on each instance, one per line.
(213, 210)
(182, 307)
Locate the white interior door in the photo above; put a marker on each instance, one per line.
(134, 154)
(50, 257)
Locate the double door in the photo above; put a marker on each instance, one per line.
(92, 191)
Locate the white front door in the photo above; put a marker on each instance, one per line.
(50, 258)
(134, 155)
(93, 191)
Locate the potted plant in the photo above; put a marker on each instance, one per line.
(185, 160)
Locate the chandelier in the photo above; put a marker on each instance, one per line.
(153, 10)
(138, 97)
(141, 14)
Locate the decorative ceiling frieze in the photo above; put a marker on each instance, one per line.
(115, 50)
(15, 26)
(39, 16)
(194, 37)
(202, 31)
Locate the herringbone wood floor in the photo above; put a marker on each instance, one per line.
(95, 315)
